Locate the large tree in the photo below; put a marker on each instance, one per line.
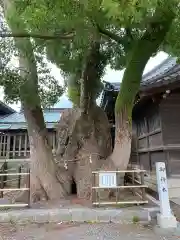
(120, 33)
(130, 33)
(30, 83)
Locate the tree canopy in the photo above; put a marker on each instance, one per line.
(62, 32)
(11, 80)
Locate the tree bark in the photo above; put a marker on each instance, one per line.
(43, 168)
(140, 55)
(90, 76)
(84, 139)
(83, 145)
(93, 124)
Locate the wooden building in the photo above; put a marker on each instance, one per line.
(4, 111)
(14, 142)
(14, 138)
(156, 123)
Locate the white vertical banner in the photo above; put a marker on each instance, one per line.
(107, 180)
(163, 189)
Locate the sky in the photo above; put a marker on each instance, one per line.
(116, 76)
(110, 74)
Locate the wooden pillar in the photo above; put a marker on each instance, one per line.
(54, 140)
(25, 144)
(2, 181)
(133, 182)
(137, 147)
(3, 178)
(20, 145)
(14, 146)
(19, 179)
(8, 146)
(143, 189)
(29, 186)
(1, 144)
(4, 146)
(93, 190)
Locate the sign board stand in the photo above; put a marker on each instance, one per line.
(165, 219)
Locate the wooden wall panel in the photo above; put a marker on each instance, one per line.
(149, 133)
(144, 161)
(174, 162)
(142, 143)
(134, 158)
(156, 157)
(170, 112)
(155, 140)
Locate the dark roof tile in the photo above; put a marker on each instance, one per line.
(165, 72)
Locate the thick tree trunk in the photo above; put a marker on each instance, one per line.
(84, 137)
(43, 169)
(122, 147)
(95, 148)
(44, 181)
(91, 74)
(140, 55)
(85, 144)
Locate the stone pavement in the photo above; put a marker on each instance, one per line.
(81, 214)
(175, 206)
(82, 231)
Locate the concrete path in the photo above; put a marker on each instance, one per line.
(82, 231)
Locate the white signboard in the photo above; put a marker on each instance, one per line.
(163, 189)
(107, 180)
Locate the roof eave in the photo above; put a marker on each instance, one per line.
(160, 86)
(8, 109)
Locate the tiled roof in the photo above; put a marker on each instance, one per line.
(166, 72)
(5, 109)
(160, 69)
(17, 120)
(112, 86)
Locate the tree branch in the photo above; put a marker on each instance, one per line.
(33, 35)
(129, 33)
(111, 35)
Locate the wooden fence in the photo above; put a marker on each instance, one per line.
(18, 173)
(135, 186)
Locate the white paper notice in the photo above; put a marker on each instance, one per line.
(107, 180)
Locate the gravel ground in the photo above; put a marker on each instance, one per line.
(77, 231)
